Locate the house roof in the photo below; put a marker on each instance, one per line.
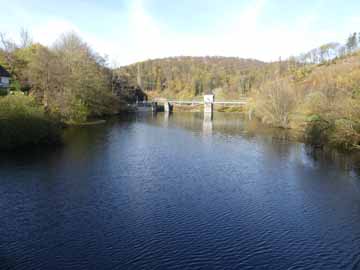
(4, 72)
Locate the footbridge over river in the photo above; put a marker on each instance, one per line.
(208, 102)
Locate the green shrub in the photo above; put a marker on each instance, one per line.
(346, 134)
(78, 112)
(15, 86)
(3, 92)
(23, 122)
(343, 134)
(317, 130)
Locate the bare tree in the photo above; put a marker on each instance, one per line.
(275, 101)
(7, 44)
(25, 38)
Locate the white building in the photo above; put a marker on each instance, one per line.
(4, 78)
(209, 98)
(209, 103)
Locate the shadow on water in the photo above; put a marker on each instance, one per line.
(79, 142)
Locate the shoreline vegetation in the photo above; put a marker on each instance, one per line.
(23, 122)
(316, 93)
(54, 87)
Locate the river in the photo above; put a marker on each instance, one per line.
(179, 192)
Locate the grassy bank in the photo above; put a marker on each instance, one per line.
(24, 123)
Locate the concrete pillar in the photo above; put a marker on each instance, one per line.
(167, 106)
(208, 108)
(209, 103)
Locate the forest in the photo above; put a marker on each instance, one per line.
(67, 83)
(189, 77)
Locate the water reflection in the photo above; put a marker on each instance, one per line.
(166, 118)
(208, 123)
(285, 143)
(83, 143)
(179, 191)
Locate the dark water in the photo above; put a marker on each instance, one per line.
(157, 192)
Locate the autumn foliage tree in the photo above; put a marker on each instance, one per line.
(69, 79)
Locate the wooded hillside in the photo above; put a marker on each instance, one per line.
(188, 77)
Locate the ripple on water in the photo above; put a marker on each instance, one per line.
(140, 194)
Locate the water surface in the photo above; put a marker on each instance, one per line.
(179, 192)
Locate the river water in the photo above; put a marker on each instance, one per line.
(179, 192)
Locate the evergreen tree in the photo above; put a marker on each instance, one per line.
(352, 43)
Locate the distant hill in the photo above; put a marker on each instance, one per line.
(189, 77)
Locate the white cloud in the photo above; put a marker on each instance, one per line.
(242, 35)
(49, 32)
(149, 39)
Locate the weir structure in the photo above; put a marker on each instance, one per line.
(167, 105)
(209, 104)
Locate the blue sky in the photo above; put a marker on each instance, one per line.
(133, 30)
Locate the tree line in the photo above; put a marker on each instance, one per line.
(330, 51)
(229, 77)
(66, 83)
(69, 79)
(187, 77)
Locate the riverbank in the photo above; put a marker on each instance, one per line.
(89, 123)
(23, 123)
(322, 125)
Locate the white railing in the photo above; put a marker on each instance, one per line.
(244, 102)
(240, 102)
(196, 102)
